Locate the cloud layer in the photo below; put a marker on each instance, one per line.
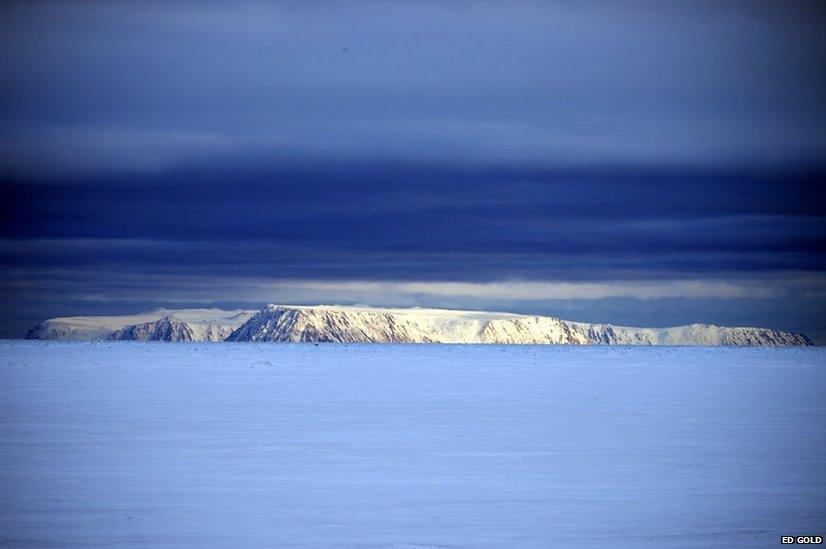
(91, 88)
(636, 162)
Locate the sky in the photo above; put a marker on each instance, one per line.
(639, 163)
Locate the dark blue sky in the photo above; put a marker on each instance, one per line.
(638, 162)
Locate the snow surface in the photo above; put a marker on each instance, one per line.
(239, 445)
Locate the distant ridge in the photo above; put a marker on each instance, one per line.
(346, 324)
(157, 325)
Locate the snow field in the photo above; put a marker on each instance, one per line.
(238, 445)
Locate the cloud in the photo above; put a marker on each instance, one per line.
(530, 156)
(594, 290)
(92, 88)
(81, 285)
(539, 290)
(80, 151)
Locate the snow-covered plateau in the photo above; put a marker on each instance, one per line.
(348, 324)
(157, 325)
(124, 444)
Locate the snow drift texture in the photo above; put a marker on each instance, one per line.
(372, 325)
(123, 444)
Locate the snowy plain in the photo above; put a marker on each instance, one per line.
(297, 445)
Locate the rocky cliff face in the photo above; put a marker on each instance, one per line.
(158, 325)
(334, 325)
(165, 329)
(368, 325)
(322, 323)
(531, 330)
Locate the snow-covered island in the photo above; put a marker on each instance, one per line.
(351, 324)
